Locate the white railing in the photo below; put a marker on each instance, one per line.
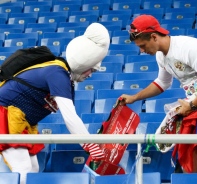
(103, 138)
(98, 138)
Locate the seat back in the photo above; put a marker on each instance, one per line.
(106, 105)
(9, 178)
(183, 178)
(153, 178)
(58, 178)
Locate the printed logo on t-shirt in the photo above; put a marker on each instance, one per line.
(179, 65)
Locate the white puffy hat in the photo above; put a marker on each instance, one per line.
(87, 51)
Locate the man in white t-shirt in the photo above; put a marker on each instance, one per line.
(176, 57)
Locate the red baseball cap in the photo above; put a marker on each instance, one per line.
(146, 24)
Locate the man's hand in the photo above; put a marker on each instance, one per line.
(185, 108)
(126, 99)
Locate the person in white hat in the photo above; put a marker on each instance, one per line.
(22, 107)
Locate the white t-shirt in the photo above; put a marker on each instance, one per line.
(180, 62)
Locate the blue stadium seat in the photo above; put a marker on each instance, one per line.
(170, 93)
(181, 10)
(2, 36)
(183, 178)
(74, 24)
(40, 31)
(140, 58)
(175, 84)
(106, 105)
(165, 166)
(42, 25)
(88, 12)
(66, 7)
(11, 9)
(49, 14)
(4, 17)
(115, 17)
(131, 84)
(83, 18)
(51, 19)
(114, 93)
(96, 1)
(122, 52)
(33, 35)
(190, 31)
(43, 157)
(111, 67)
(102, 77)
(3, 167)
(56, 42)
(93, 85)
(38, 3)
(3, 20)
(58, 178)
(112, 25)
(136, 75)
(53, 118)
(12, 26)
(83, 106)
(126, 5)
(147, 66)
(175, 32)
(4, 55)
(115, 59)
(9, 178)
(178, 21)
(88, 118)
(76, 30)
(151, 11)
(11, 49)
(22, 20)
(122, 40)
(157, 105)
(146, 117)
(1, 43)
(85, 95)
(176, 25)
(36, 8)
(11, 30)
(96, 6)
(184, 4)
(25, 42)
(179, 15)
(120, 33)
(153, 178)
(63, 3)
(59, 35)
(75, 160)
(157, 4)
(30, 15)
(120, 12)
(12, 3)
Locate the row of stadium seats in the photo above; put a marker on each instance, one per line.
(52, 5)
(84, 178)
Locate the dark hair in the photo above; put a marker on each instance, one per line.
(144, 36)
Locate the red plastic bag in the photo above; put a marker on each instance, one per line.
(122, 120)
